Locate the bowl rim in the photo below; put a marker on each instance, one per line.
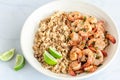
(72, 78)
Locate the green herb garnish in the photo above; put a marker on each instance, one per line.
(96, 48)
(83, 29)
(97, 56)
(105, 33)
(93, 43)
(82, 43)
(100, 65)
(86, 71)
(68, 38)
(86, 45)
(73, 30)
(84, 19)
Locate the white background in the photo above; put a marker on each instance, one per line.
(13, 13)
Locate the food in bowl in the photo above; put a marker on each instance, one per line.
(79, 41)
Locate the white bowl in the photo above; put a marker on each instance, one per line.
(31, 25)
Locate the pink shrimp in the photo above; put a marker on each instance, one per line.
(74, 36)
(74, 16)
(111, 38)
(75, 53)
(74, 39)
(99, 58)
(71, 72)
(90, 68)
(90, 59)
(75, 65)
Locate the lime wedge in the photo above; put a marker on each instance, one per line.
(20, 62)
(54, 53)
(49, 59)
(6, 56)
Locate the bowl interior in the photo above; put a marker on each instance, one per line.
(31, 25)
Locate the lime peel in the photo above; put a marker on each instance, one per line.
(49, 59)
(54, 53)
(6, 56)
(20, 62)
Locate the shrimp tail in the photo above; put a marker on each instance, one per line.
(104, 53)
(92, 49)
(71, 72)
(79, 71)
(86, 65)
(93, 69)
(111, 38)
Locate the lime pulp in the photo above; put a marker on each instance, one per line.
(6, 56)
(49, 59)
(20, 62)
(54, 53)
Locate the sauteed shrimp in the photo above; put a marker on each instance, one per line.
(74, 43)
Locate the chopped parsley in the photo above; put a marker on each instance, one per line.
(82, 43)
(73, 30)
(105, 33)
(84, 19)
(86, 45)
(68, 38)
(97, 56)
(100, 65)
(83, 29)
(96, 48)
(93, 43)
(86, 71)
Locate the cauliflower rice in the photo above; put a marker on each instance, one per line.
(53, 32)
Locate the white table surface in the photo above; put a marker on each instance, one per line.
(13, 13)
